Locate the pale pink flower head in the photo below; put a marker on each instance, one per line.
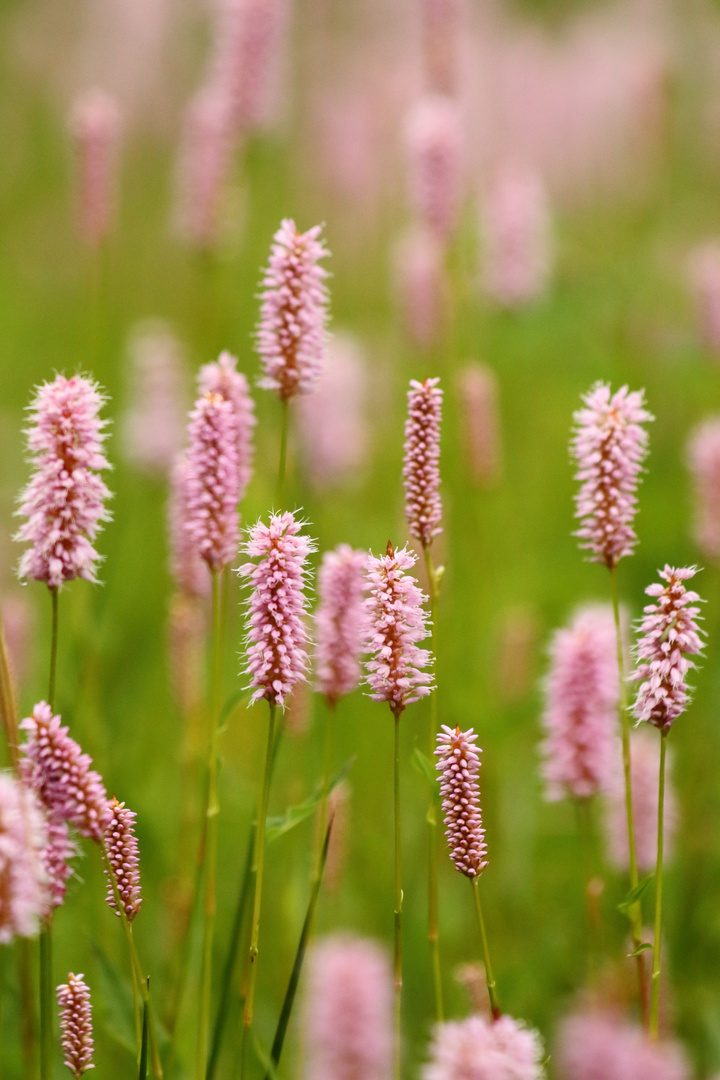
(434, 146)
(76, 1024)
(459, 768)
(480, 1049)
(65, 500)
(421, 467)
(223, 378)
(517, 256)
(609, 444)
(478, 392)
(59, 773)
(645, 763)
(339, 621)
(204, 165)
(293, 314)
(277, 638)
(124, 858)
(601, 1045)
(188, 568)
(704, 464)
(704, 269)
(394, 624)
(421, 284)
(348, 1011)
(213, 481)
(669, 636)
(153, 426)
(249, 47)
(95, 125)
(23, 880)
(582, 691)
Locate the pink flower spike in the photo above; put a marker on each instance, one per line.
(213, 481)
(204, 166)
(277, 639)
(224, 379)
(394, 623)
(56, 858)
(479, 1049)
(291, 334)
(581, 699)
(459, 766)
(609, 445)
(59, 773)
(339, 621)
(189, 570)
(153, 427)
(645, 763)
(704, 271)
(421, 285)
(76, 1024)
(434, 143)
(64, 501)
(122, 849)
(601, 1045)
(421, 472)
(517, 250)
(704, 464)
(23, 881)
(250, 35)
(670, 635)
(96, 127)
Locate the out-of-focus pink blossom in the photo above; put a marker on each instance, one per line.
(332, 421)
(517, 255)
(394, 623)
(669, 635)
(153, 427)
(421, 283)
(95, 125)
(213, 481)
(277, 641)
(609, 444)
(186, 641)
(704, 271)
(597, 1045)
(23, 881)
(348, 1011)
(291, 334)
(76, 1024)
(421, 466)
(478, 1049)
(203, 169)
(478, 392)
(339, 621)
(123, 856)
(223, 378)
(440, 29)
(189, 570)
(56, 856)
(459, 767)
(434, 143)
(581, 698)
(704, 463)
(645, 765)
(18, 624)
(65, 499)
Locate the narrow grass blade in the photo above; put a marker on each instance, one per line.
(142, 1070)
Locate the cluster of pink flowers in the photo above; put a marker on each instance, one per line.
(704, 462)
(23, 842)
(277, 634)
(65, 499)
(395, 622)
(212, 482)
(76, 1024)
(670, 635)
(478, 1049)
(596, 1045)
(645, 760)
(434, 138)
(291, 334)
(421, 468)
(223, 378)
(581, 698)
(96, 127)
(609, 445)
(122, 850)
(459, 767)
(339, 621)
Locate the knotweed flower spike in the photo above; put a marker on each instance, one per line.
(213, 481)
(610, 445)
(188, 568)
(23, 880)
(517, 253)
(339, 621)
(478, 392)
(645, 760)
(291, 334)
(224, 379)
(122, 849)
(205, 158)
(704, 463)
(248, 53)
(277, 641)
(601, 1045)
(394, 623)
(59, 773)
(434, 143)
(60, 849)
(96, 126)
(478, 1049)
(153, 427)
(670, 635)
(348, 1011)
(459, 767)
(421, 284)
(421, 472)
(581, 699)
(65, 499)
(76, 1024)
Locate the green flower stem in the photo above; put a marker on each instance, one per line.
(657, 935)
(397, 964)
(489, 977)
(282, 469)
(53, 646)
(328, 754)
(46, 1001)
(433, 931)
(583, 810)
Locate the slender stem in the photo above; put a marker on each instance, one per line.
(46, 1001)
(329, 745)
(433, 904)
(283, 454)
(657, 936)
(636, 919)
(27, 998)
(397, 967)
(583, 810)
(489, 977)
(53, 646)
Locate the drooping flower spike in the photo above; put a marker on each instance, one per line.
(213, 481)
(459, 767)
(339, 621)
(421, 471)
(76, 1024)
(122, 850)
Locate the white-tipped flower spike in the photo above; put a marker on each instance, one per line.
(153, 427)
(704, 463)
(434, 142)
(96, 126)
(645, 759)
(339, 621)
(459, 766)
(224, 379)
(517, 259)
(478, 1049)
(76, 1024)
(421, 467)
(23, 878)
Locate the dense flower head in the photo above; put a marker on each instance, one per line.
(277, 642)
(348, 1011)
(645, 763)
(203, 169)
(96, 126)
(339, 621)
(609, 444)
(459, 767)
(479, 1049)
(517, 250)
(122, 850)
(434, 142)
(59, 773)
(76, 1024)
(213, 481)
(394, 623)
(600, 1045)
(188, 568)
(291, 334)
(154, 424)
(23, 880)
(669, 635)
(421, 467)
(478, 391)
(704, 463)
(223, 378)
(581, 699)
(64, 501)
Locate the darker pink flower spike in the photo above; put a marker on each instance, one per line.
(76, 1024)
(459, 766)
(338, 621)
(213, 481)
(122, 849)
(421, 472)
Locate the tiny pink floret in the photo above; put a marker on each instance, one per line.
(421, 468)
(339, 621)
(459, 768)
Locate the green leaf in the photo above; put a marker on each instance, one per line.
(626, 905)
(295, 815)
(422, 764)
(642, 947)
(117, 998)
(237, 698)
